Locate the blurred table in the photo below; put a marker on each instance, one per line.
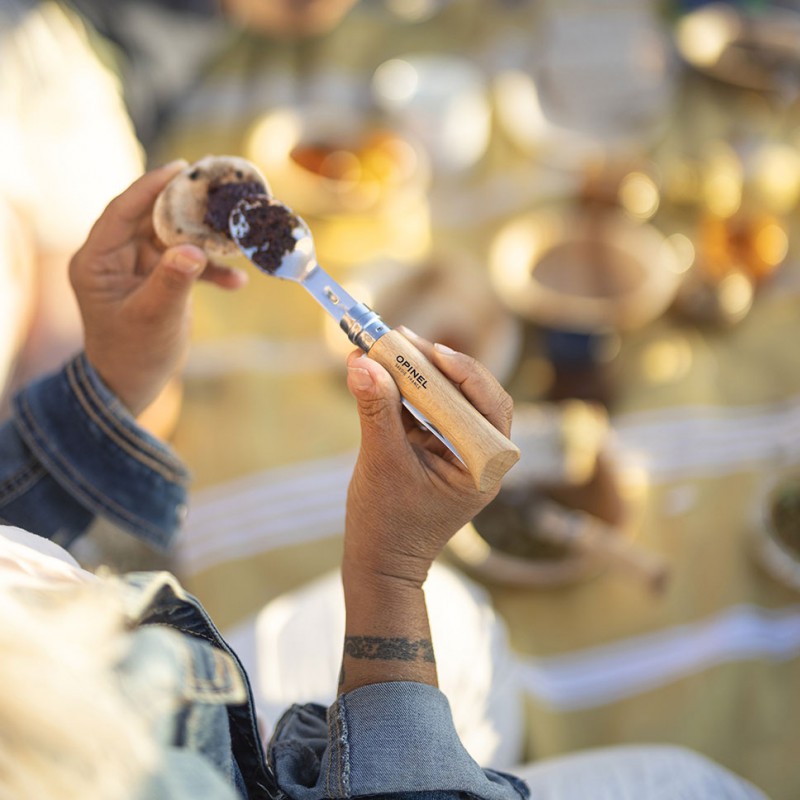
(702, 419)
(706, 419)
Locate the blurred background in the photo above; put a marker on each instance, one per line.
(596, 198)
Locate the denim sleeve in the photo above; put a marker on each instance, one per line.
(386, 740)
(72, 452)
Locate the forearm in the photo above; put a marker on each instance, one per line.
(387, 634)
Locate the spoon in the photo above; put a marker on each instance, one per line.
(279, 243)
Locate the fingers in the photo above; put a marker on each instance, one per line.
(166, 290)
(223, 276)
(125, 213)
(378, 401)
(477, 384)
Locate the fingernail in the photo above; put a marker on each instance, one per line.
(443, 348)
(240, 275)
(360, 378)
(407, 332)
(175, 164)
(181, 262)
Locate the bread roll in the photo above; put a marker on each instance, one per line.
(193, 208)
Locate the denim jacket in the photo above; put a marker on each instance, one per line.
(72, 452)
(385, 740)
(196, 694)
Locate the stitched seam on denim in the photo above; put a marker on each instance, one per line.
(83, 378)
(202, 688)
(184, 631)
(21, 480)
(78, 487)
(251, 737)
(340, 761)
(221, 684)
(150, 592)
(209, 687)
(139, 442)
(251, 742)
(142, 597)
(345, 770)
(112, 428)
(333, 744)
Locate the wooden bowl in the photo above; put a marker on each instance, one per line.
(583, 271)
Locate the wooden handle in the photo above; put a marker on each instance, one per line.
(487, 454)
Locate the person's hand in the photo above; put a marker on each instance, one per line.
(409, 495)
(134, 295)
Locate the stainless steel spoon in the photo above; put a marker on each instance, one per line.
(279, 243)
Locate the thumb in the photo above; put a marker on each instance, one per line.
(378, 401)
(169, 284)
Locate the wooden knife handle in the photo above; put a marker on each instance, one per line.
(487, 454)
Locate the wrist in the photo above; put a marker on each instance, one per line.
(387, 635)
(369, 580)
(134, 391)
(386, 572)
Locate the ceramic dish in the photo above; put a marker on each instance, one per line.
(593, 81)
(360, 186)
(579, 272)
(473, 553)
(562, 476)
(776, 531)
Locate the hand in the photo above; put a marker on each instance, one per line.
(409, 495)
(134, 295)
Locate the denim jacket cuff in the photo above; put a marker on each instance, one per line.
(89, 443)
(384, 740)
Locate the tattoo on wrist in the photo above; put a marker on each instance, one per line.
(389, 648)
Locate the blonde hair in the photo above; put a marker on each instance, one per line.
(66, 730)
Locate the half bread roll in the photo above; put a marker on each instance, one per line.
(193, 208)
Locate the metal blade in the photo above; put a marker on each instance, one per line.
(328, 293)
(428, 425)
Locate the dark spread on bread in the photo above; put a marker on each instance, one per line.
(222, 197)
(269, 232)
